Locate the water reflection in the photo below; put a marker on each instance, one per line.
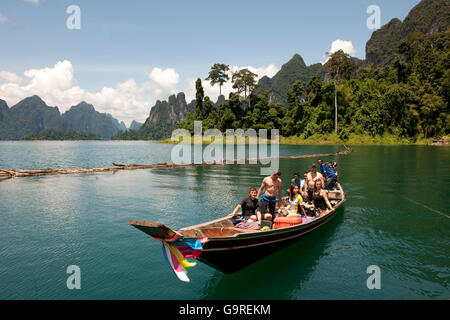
(395, 195)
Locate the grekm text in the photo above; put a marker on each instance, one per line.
(246, 309)
(228, 309)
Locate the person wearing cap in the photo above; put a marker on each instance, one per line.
(270, 185)
(311, 178)
(328, 173)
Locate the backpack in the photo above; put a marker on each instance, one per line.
(332, 165)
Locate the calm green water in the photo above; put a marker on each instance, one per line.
(397, 217)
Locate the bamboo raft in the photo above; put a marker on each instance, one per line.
(13, 173)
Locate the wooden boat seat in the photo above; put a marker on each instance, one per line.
(223, 227)
(214, 232)
(334, 194)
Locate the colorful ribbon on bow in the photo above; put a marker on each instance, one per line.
(176, 252)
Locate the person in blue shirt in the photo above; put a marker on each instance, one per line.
(295, 181)
(330, 175)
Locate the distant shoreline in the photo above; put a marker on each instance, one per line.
(353, 140)
(331, 140)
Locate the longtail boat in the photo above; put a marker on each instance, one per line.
(228, 248)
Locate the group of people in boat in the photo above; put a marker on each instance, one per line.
(307, 197)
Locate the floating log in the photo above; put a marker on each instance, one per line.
(43, 172)
(118, 166)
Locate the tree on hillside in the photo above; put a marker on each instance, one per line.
(295, 93)
(339, 66)
(218, 75)
(207, 106)
(244, 81)
(294, 112)
(199, 96)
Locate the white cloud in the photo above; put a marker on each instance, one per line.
(60, 77)
(213, 91)
(165, 81)
(344, 45)
(126, 101)
(268, 71)
(33, 1)
(57, 86)
(10, 77)
(3, 18)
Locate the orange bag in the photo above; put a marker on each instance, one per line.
(284, 222)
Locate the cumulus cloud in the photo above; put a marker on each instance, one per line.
(165, 81)
(344, 45)
(60, 77)
(268, 71)
(213, 91)
(10, 77)
(126, 101)
(57, 86)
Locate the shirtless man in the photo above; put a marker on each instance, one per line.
(271, 184)
(311, 180)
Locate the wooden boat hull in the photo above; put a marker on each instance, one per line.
(231, 255)
(230, 249)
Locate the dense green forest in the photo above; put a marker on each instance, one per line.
(49, 134)
(151, 131)
(407, 98)
(398, 94)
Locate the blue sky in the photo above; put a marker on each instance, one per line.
(123, 40)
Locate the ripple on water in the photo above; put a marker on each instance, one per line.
(51, 222)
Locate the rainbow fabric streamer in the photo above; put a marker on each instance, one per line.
(176, 252)
(171, 259)
(191, 248)
(179, 256)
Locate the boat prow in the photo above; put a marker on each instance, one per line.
(155, 229)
